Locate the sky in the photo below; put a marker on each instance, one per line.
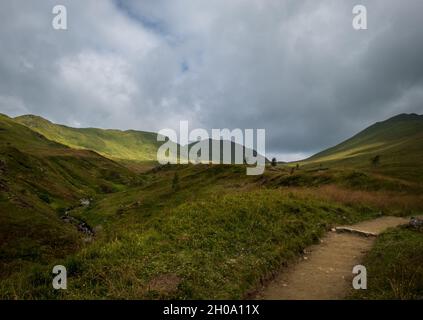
(296, 68)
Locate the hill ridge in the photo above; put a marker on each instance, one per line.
(116, 144)
(397, 143)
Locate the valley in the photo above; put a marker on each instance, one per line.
(211, 233)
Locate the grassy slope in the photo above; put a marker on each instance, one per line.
(128, 145)
(398, 141)
(227, 145)
(125, 146)
(217, 247)
(395, 266)
(216, 235)
(39, 179)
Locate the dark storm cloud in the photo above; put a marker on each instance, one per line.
(296, 68)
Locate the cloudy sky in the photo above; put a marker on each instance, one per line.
(294, 67)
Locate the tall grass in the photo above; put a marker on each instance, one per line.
(395, 266)
(219, 247)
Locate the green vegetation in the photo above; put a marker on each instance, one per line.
(175, 182)
(171, 231)
(39, 181)
(127, 146)
(395, 266)
(393, 148)
(217, 247)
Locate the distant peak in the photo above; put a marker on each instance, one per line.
(406, 116)
(31, 117)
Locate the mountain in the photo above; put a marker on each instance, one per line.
(130, 145)
(164, 233)
(394, 146)
(225, 144)
(28, 154)
(123, 146)
(39, 181)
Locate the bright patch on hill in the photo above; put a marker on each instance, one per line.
(393, 147)
(128, 145)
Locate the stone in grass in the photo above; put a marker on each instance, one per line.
(416, 223)
(85, 202)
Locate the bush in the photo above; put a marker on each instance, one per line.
(175, 182)
(44, 197)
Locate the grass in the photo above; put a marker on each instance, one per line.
(386, 202)
(219, 234)
(219, 248)
(395, 266)
(397, 141)
(39, 180)
(127, 146)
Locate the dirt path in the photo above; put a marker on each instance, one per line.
(325, 271)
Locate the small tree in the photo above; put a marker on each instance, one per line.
(175, 182)
(274, 162)
(298, 166)
(376, 160)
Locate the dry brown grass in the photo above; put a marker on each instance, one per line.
(386, 202)
(165, 283)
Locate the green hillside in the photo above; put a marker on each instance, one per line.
(123, 146)
(175, 231)
(226, 144)
(39, 181)
(393, 147)
(119, 145)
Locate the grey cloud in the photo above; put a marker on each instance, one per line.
(296, 68)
